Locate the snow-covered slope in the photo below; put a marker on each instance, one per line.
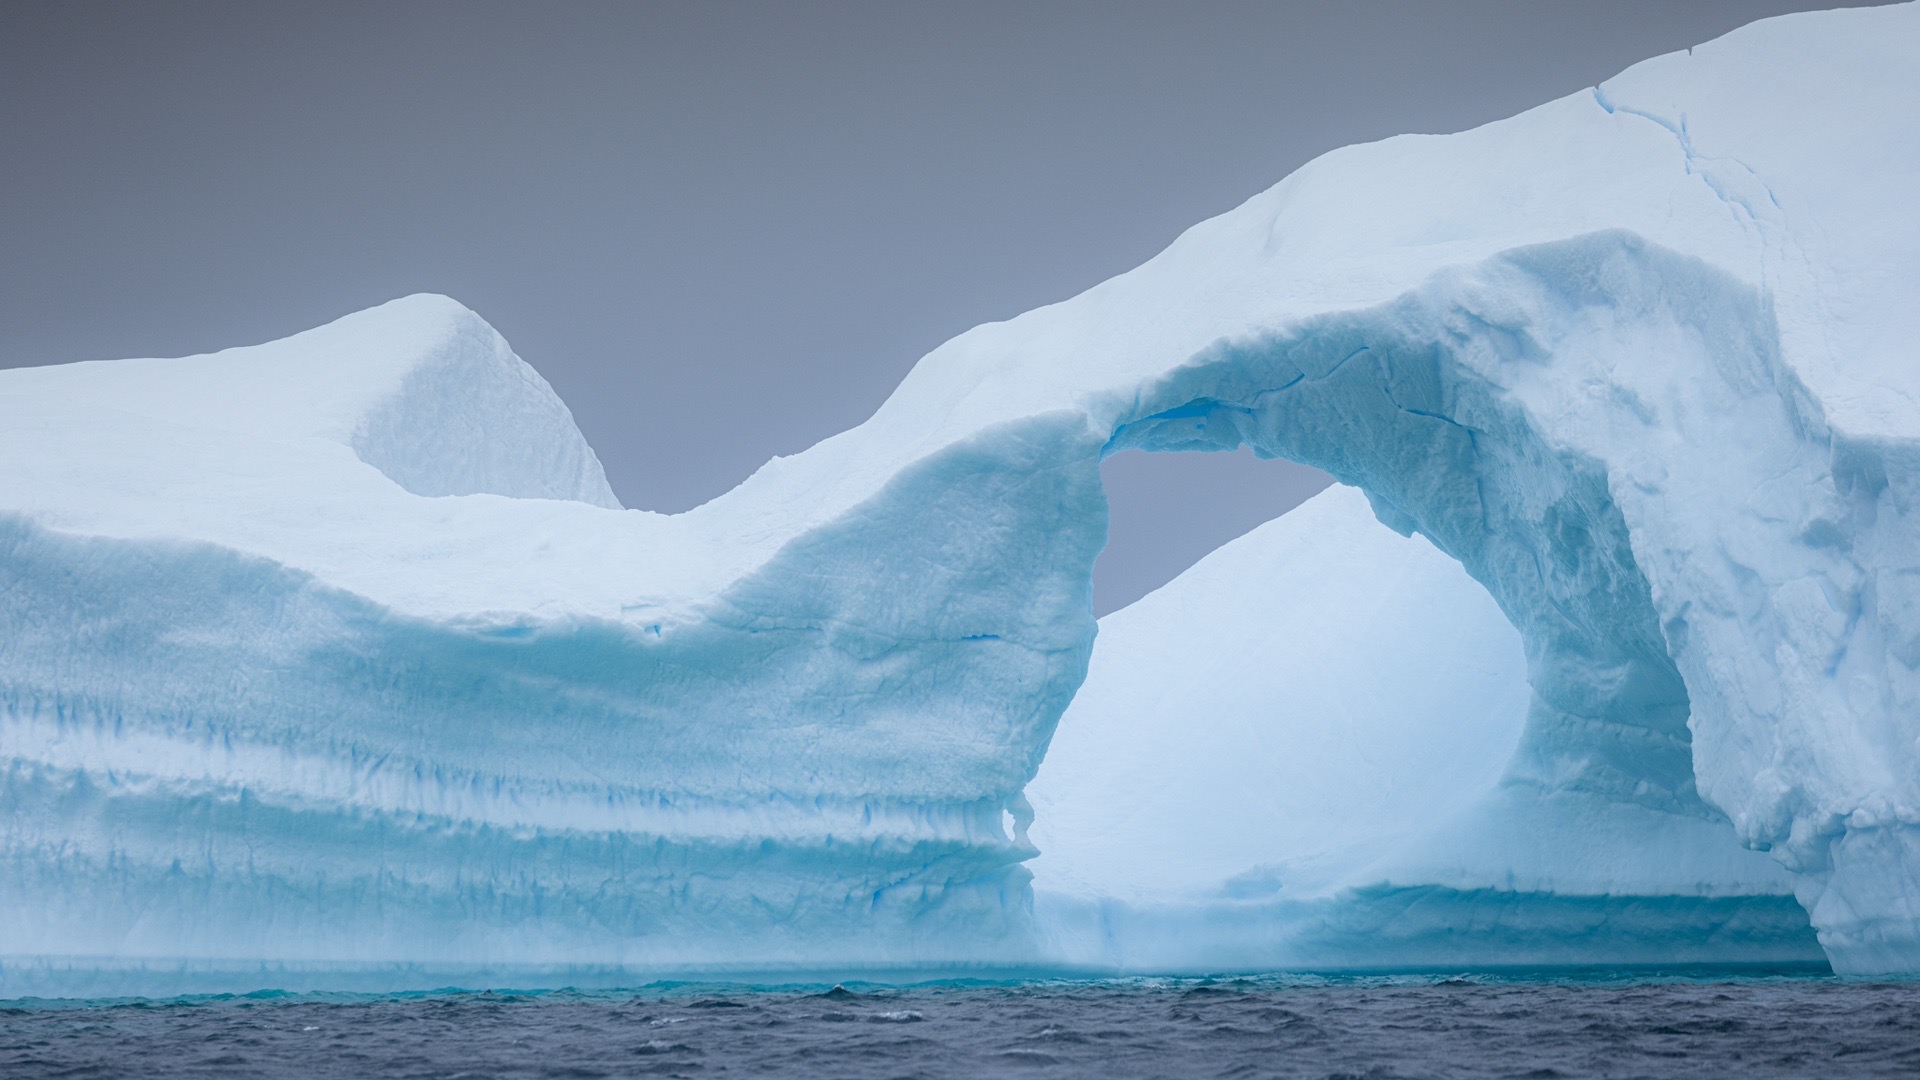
(337, 651)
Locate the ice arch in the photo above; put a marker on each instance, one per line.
(1402, 402)
(1668, 520)
(1398, 398)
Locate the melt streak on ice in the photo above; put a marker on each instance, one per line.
(334, 661)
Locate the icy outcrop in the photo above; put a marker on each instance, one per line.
(267, 715)
(336, 653)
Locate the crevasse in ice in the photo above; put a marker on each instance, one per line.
(334, 661)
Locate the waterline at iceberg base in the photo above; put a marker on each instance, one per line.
(334, 662)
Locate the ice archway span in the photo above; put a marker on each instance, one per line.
(1602, 433)
(1404, 403)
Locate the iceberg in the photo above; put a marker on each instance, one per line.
(334, 662)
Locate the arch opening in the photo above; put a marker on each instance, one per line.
(1578, 426)
(1437, 450)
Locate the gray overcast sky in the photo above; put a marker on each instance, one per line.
(722, 231)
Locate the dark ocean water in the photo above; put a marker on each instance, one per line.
(1748, 1027)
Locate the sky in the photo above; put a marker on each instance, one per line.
(722, 231)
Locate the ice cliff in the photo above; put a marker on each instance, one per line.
(334, 660)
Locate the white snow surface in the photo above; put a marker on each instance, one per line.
(338, 651)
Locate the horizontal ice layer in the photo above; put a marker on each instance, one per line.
(1639, 359)
(1292, 756)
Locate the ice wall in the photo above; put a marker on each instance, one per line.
(336, 651)
(269, 716)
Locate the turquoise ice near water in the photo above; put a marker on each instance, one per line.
(333, 662)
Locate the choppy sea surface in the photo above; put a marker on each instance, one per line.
(1613, 1025)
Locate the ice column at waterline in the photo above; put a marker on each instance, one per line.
(335, 651)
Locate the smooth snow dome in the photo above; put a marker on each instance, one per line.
(331, 661)
(421, 389)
